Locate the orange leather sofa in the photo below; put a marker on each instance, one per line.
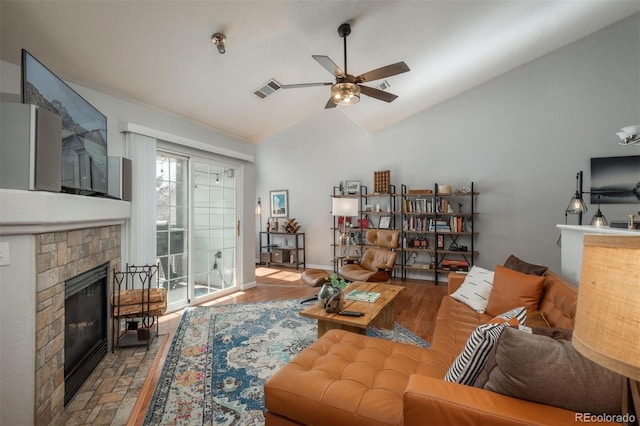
(349, 379)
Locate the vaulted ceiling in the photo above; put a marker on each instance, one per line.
(159, 53)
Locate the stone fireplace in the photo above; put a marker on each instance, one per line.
(47, 239)
(61, 256)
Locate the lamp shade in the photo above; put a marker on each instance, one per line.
(598, 220)
(607, 322)
(577, 205)
(345, 207)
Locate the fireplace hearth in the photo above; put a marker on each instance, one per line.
(85, 337)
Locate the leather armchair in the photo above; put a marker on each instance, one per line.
(377, 261)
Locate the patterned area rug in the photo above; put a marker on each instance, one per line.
(221, 356)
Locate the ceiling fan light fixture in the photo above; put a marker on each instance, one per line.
(345, 93)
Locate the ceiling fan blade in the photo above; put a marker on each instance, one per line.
(330, 104)
(378, 94)
(299, 85)
(329, 65)
(384, 72)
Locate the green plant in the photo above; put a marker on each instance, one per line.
(337, 281)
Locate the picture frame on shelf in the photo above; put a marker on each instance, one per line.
(352, 187)
(279, 203)
(385, 222)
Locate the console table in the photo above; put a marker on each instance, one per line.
(272, 251)
(572, 246)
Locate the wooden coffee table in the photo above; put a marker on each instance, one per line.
(378, 313)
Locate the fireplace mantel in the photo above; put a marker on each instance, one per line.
(572, 245)
(36, 212)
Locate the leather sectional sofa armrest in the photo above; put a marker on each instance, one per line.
(446, 403)
(455, 281)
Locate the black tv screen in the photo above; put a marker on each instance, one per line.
(84, 128)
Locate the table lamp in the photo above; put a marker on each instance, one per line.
(344, 207)
(607, 322)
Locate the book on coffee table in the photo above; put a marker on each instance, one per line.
(363, 296)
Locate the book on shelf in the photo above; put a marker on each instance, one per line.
(454, 265)
(363, 296)
(439, 225)
(457, 224)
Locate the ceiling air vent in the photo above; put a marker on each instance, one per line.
(267, 89)
(384, 85)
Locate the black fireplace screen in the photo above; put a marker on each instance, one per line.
(85, 338)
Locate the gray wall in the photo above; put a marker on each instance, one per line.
(520, 137)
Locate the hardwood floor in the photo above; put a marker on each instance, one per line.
(415, 309)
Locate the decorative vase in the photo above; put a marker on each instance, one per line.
(334, 303)
(326, 291)
(331, 298)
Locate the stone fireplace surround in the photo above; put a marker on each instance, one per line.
(52, 237)
(59, 257)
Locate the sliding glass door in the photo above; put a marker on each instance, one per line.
(196, 227)
(214, 228)
(172, 226)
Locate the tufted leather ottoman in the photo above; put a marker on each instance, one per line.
(314, 277)
(347, 379)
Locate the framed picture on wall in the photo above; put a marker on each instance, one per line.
(280, 203)
(615, 180)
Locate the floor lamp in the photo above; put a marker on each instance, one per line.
(607, 322)
(344, 207)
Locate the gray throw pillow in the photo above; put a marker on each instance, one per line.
(524, 267)
(545, 368)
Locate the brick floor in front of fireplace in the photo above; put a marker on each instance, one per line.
(109, 394)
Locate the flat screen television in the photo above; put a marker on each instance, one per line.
(84, 128)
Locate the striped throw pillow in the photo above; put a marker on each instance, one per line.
(473, 357)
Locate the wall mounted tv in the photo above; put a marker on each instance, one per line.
(84, 128)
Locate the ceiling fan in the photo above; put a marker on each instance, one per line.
(347, 88)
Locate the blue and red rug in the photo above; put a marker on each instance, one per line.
(221, 356)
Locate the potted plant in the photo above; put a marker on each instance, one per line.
(331, 294)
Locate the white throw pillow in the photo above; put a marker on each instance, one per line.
(471, 361)
(475, 290)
